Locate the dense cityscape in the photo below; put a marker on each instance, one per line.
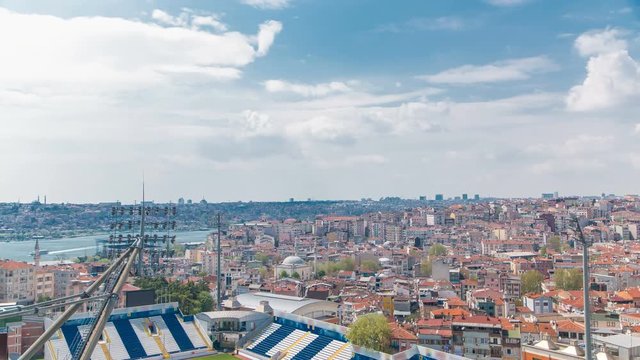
(319, 180)
(479, 278)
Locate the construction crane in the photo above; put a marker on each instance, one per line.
(103, 294)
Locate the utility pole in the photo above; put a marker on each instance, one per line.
(585, 288)
(219, 272)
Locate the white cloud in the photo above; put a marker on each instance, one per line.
(106, 53)
(188, 19)
(507, 70)
(167, 19)
(256, 123)
(306, 90)
(613, 76)
(267, 4)
(323, 129)
(267, 35)
(507, 2)
(211, 21)
(598, 42)
(583, 152)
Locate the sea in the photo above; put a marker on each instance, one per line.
(71, 247)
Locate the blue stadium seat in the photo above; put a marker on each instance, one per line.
(129, 338)
(272, 340)
(313, 348)
(70, 332)
(178, 333)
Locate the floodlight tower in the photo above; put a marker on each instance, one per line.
(585, 287)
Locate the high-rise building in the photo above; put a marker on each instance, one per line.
(423, 198)
(476, 197)
(439, 197)
(465, 197)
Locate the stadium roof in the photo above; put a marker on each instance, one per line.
(282, 303)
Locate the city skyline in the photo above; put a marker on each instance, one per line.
(277, 99)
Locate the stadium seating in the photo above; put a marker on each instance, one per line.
(295, 349)
(115, 346)
(167, 339)
(146, 340)
(272, 340)
(313, 348)
(178, 332)
(298, 344)
(126, 336)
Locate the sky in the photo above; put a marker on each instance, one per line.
(267, 100)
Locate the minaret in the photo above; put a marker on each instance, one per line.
(36, 254)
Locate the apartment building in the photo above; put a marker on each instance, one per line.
(17, 282)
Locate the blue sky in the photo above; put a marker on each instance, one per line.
(271, 99)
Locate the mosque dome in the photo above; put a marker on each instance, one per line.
(293, 260)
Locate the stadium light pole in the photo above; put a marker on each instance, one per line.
(585, 288)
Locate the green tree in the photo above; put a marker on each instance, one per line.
(295, 275)
(321, 274)
(543, 251)
(554, 243)
(371, 331)
(369, 266)
(438, 250)
(284, 274)
(178, 250)
(347, 264)
(263, 258)
(426, 266)
(531, 282)
(568, 279)
(192, 297)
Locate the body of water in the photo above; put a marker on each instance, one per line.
(70, 248)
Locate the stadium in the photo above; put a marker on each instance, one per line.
(160, 331)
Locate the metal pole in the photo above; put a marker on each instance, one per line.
(218, 278)
(587, 302)
(111, 302)
(35, 347)
(141, 244)
(585, 289)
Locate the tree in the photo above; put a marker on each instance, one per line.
(192, 297)
(371, 331)
(178, 250)
(347, 264)
(321, 274)
(568, 279)
(531, 282)
(554, 243)
(263, 258)
(543, 251)
(438, 250)
(284, 274)
(425, 266)
(295, 275)
(369, 266)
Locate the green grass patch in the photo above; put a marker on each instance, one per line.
(218, 357)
